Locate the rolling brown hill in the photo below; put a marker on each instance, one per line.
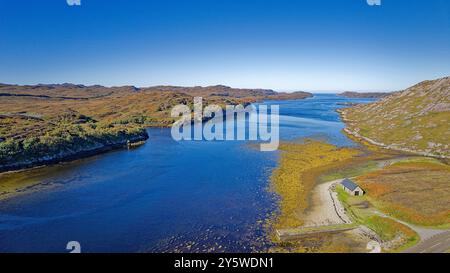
(49, 122)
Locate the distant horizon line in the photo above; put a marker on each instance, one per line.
(204, 86)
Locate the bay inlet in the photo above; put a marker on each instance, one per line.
(163, 196)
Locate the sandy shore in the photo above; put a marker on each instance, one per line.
(326, 208)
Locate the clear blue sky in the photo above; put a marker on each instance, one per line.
(281, 44)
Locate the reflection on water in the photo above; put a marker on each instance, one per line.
(163, 196)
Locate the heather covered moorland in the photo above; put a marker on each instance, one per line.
(47, 123)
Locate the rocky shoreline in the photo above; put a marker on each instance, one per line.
(82, 152)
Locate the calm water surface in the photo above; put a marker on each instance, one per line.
(163, 196)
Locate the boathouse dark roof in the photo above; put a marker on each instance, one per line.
(349, 184)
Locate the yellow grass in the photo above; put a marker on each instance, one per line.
(294, 178)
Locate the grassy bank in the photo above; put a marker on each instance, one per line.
(395, 235)
(303, 165)
(68, 140)
(292, 180)
(298, 172)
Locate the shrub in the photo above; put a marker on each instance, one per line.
(66, 138)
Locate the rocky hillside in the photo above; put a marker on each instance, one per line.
(415, 120)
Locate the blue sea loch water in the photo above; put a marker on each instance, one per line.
(164, 196)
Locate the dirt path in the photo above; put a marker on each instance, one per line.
(326, 208)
